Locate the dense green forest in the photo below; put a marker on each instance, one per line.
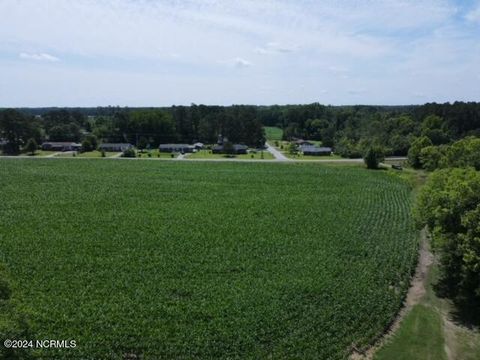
(350, 130)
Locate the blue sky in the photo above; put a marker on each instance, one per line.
(163, 52)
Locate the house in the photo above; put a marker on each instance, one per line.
(182, 148)
(315, 151)
(114, 147)
(198, 145)
(237, 149)
(303, 143)
(61, 146)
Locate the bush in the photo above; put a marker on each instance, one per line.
(374, 156)
(129, 153)
(102, 152)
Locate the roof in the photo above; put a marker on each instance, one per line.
(235, 146)
(61, 143)
(312, 148)
(302, 142)
(174, 145)
(115, 144)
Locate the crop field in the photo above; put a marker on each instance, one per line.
(151, 259)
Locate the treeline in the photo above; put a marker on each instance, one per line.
(449, 204)
(350, 130)
(145, 127)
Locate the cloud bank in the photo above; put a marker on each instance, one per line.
(154, 52)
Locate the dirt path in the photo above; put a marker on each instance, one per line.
(415, 293)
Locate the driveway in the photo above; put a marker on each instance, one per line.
(276, 154)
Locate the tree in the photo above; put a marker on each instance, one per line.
(374, 156)
(16, 128)
(414, 152)
(142, 143)
(87, 145)
(449, 204)
(155, 124)
(431, 157)
(293, 149)
(31, 146)
(93, 141)
(463, 153)
(228, 148)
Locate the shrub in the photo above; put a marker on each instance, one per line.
(129, 153)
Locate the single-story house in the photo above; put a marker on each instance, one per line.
(237, 149)
(61, 146)
(303, 143)
(316, 151)
(183, 148)
(115, 147)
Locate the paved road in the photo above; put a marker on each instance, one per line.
(186, 158)
(276, 154)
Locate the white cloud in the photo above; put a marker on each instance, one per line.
(386, 46)
(38, 57)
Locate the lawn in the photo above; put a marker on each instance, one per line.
(207, 154)
(419, 337)
(273, 133)
(96, 154)
(37, 153)
(205, 260)
(425, 334)
(312, 157)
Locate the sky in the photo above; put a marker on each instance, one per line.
(166, 52)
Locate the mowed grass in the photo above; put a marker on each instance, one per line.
(273, 133)
(419, 337)
(205, 260)
(207, 154)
